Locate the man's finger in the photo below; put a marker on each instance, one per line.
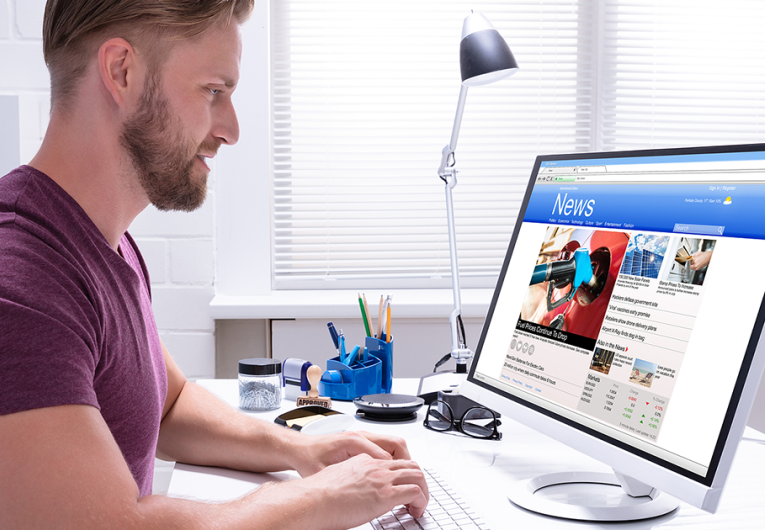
(395, 447)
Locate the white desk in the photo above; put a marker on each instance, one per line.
(481, 469)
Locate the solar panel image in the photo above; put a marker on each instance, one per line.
(650, 265)
(644, 256)
(637, 263)
(627, 263)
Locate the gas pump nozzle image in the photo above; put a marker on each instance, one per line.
(571, 283)
(577, 270)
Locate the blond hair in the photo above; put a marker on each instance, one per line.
(74, 29)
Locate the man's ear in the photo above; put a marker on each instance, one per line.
(118, 68)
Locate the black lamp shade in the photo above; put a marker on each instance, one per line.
(485, 57)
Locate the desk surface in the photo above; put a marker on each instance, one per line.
(481, 470)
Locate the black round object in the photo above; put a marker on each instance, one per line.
(260, 366)
(388, 407)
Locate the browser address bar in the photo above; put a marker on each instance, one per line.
(699, 177)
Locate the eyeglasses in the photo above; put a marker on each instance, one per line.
(477, 422)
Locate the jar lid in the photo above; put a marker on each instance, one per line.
(260, 366)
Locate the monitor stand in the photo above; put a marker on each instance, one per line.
(585, 496)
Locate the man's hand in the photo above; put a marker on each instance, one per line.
(362, 485)
(314, 453)
(377, 469)
(352, 492)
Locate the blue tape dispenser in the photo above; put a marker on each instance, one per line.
(295, 378)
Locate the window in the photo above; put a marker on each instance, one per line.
(681, 73)
(363, 97)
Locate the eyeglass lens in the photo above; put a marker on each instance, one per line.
(478, 422)
(440, 416)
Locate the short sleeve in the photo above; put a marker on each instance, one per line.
(48, 329)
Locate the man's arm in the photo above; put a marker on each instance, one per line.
(61, 468)
(198, 428)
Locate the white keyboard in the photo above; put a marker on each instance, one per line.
(445, 511)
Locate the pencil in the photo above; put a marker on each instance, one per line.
(364, 317)
(387, 332)
(380, 319)
(367, 316)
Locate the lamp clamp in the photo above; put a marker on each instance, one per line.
(462, 355)
(446, 170)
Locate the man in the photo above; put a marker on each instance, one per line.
(141, 97)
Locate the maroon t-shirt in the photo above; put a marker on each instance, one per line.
(76, 325)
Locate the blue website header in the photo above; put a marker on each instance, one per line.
(730, 210)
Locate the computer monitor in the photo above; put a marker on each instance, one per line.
(627, 318)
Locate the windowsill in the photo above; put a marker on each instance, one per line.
(406, 303)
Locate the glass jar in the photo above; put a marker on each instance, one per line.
(260, 384)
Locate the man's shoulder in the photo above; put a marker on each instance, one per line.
(37, 279)
(12, 186)
(42, 255)
(37, 214)
(25, 236)
(19, 175)
(28, 196)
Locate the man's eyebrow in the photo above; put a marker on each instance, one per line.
(223, 80)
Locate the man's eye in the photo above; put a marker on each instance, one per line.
(214, 91)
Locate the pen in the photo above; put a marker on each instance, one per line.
(333, 333)
(352, 357)
(342, 347)
(364, 317)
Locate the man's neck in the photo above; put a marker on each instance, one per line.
(84, 158)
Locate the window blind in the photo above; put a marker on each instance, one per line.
(682, 73)
(363, 100)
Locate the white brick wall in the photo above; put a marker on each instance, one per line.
(5, 21)
(29, 17)
(178, 247)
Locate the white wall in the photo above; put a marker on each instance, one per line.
(9, 133)
(179, 248)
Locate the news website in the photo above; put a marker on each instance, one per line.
(649, 343)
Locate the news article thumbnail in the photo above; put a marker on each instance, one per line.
(643, 373)
(557, 309)
(692, 260)
(602, 360)
(645, 255)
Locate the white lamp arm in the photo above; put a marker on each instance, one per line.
(447, 153)
(448, 174)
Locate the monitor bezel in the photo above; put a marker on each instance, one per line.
(745, 385)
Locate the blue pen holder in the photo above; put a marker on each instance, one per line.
(383, 351)
(359, 379)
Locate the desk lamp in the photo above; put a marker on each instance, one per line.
(485, 57)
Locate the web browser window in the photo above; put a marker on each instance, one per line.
(630, 297)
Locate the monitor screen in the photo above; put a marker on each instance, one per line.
(629, 305)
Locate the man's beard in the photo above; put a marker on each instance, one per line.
(162, 156)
